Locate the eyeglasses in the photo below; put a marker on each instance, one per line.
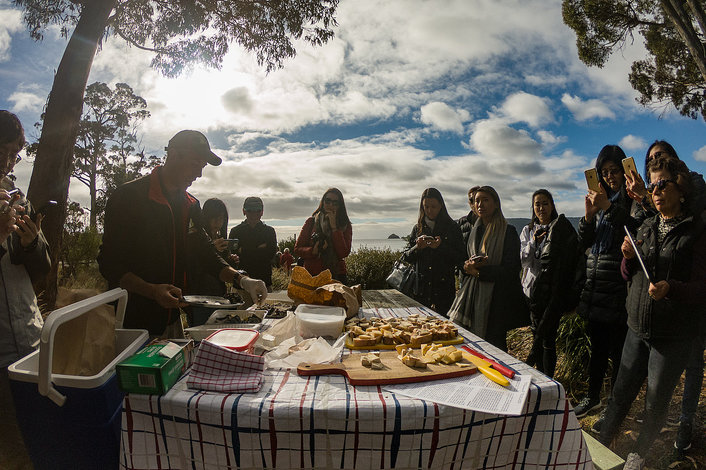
(331, 201)
(661, 184)
(611, 172)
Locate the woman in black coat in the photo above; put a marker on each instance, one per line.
(490, 301)
(602, 299)
(436, 247)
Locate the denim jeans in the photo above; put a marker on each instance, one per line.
(661, 361)
(693, 378)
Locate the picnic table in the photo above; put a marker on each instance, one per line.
(322, 422)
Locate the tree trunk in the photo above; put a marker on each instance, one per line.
(52, 165)
(681, 21)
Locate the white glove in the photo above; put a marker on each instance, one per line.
(255, 288)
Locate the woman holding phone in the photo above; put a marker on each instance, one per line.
(665, 309)
(602, 299)
(436, 248)
(325, 239)
(548, 252)
(490, 301)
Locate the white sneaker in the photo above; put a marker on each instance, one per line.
(634, 462)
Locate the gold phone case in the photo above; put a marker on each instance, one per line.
(629, 165)
(592, 180)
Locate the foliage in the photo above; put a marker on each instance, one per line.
(574, 348)
(81, 243)
(674, 32)
(369, 267)
(287, 243)
(280, 279)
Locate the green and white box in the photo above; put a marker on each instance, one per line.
(151, 373)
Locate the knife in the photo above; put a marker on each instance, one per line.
(485, 369)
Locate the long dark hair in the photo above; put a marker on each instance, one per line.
(667, 148)
(498, 224)
(342, 220)
(443, 216)
(609, 153)
(546, 193)
(212, 208)
(10, 128)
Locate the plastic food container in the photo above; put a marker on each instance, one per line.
(221, 319)
(236, 339)
(319, 320)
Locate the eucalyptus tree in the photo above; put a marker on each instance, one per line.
(674, 33)
(178, 33)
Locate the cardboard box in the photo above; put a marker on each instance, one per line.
(147, 372)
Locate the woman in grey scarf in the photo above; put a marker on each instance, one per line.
(490, 301)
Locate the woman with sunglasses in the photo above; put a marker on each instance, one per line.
(490, 301)
(436, 247)
(665, 304)
(602, 299)
(325, 239)
(548, 252)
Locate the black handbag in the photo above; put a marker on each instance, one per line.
(403, 278)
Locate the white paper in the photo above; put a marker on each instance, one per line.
(313, 351)
(475, 392)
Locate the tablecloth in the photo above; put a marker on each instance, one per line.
(322, 422)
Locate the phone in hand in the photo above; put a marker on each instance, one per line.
(44, 209)
(592, 180)
(232, 244)
(629, 165)
(476, 258)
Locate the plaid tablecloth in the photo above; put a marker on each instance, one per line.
(324, 423)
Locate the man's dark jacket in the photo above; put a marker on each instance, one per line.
(140, 238)
(256, 260)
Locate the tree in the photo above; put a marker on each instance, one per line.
(179, 33)
(675, 38)
(108, 116)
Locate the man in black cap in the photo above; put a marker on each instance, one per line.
(257, 242)
(145, 244)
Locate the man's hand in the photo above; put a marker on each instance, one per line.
(220, 244)
(658, 291)
(166, 295)
(28, 230)
(255, 288)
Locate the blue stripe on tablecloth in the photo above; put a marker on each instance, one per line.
(260, 430)
(421, 435)
(396, 433)
(348, 412)
(312, 432)
(235, 430)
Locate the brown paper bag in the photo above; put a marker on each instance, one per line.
(343, 296)
(302, 286)
(85, 345)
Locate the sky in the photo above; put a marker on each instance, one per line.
(409, 94)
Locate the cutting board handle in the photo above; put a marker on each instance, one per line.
(321, 369)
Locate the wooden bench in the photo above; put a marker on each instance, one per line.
(603, 458)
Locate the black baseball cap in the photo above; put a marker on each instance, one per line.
(196, 142)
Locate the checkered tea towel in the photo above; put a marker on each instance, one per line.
(218, 369)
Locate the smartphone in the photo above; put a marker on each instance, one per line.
(477, 258)
(44, 209)
(592, 180)
(629, 165)
(232, 244)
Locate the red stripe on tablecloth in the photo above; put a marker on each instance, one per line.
(273, 430)
(223, 428)
(564, 423)
(458, 443)
(198, 424)
(130, 428)
(384, 427)
(156, 440)
(301, 423)
(357, 429)
(434, 435)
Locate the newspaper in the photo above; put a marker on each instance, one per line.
(474, 392)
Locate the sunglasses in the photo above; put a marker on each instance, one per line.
(661, 184)
(331, 201)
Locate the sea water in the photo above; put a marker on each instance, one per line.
(394, 244)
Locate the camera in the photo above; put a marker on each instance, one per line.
(315, 237)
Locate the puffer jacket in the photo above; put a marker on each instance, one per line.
(435, 268)
(681, 261)
(549, 297)
(603, 295)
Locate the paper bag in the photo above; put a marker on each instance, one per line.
(85, 345)
(343, 296)
(302, 286)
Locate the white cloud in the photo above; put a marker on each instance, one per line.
(585, 110)
(700, 154)
(632, 142)
(524, 107)
(443, 117)
(10, 22)
(549, 139)
(26, 101)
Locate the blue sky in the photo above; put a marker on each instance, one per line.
(409, 94)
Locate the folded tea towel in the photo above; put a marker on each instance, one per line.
(218, 369)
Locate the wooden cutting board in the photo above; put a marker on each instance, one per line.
(394, 372)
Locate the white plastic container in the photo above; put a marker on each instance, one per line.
(235, 339)
(319, 320)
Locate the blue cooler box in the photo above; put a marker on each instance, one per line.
(68, 421)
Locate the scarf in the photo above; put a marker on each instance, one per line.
(328, 256)
(604, 230)
(471, 307)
